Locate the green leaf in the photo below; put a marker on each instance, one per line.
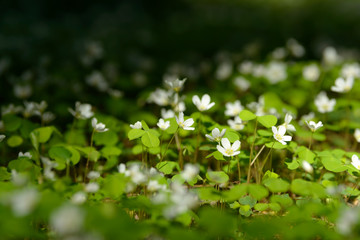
(293, 164)
(91, 152)
(150, 140)
(43, 134)
(261, 206)
(332, 163)
(217, 155)
(106, 138)
(60, 153)
(135, 133)
(235, 193)
(75, 155)
(284, 200)
(276, 185)
(306, 188)
(267, 120)
(144, 125)
(217, 177)
(231, 135)
(14, 141)
(264, 133)
(167, 167)
(257, 191)
(4, 174)
(114, 185)
(173, 126)
(110, 151)
(11, 122)
(247, 200)
(306, 154)
(246, 115)
(209, 194)
(275, 207)
(276, 145)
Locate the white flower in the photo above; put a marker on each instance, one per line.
(160, 97)
(133, 172)
(98, 127)
(216, 135)
(323, 103)
(279, 134)
(154, 186)
(180, 107)
(314, 126)
(18, 179)
(137, 125)
(224, 70)
(227, 149)
(311, 72)
(47, 117)
(343, 85)
(78, 198)
(233, 109)
(307, 117)
(347, 220)
(92, 187)
(357, 135)
(11, 108)
(246, 67)
(351, 70)
(26, 154)
(186, 125)
(259, 70)
(22, 91)
(276, 72)
(24, 201)
(82, 111)
(236, 124)
(203, 104)
(330, 56)
(175, 84)
(97, 80)
(67, 219)
(166, 114)
(163, 125)
(279, 53)
(307, 166)
(2, 137)
(287, 125)
(295, 48)
(241, 83)
(48, 166)
(355, 161)
(190, 172)
(93, 175)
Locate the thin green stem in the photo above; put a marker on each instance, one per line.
(167, 147)
(88, 158)
(311, 137)
(251, 153)
(238, 166)
(267, 157)
(198, 138)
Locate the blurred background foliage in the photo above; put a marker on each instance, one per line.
(43, 42)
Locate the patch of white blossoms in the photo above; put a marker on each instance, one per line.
(204, 103)
(343, 85)
(233, 109)
(184, 124)
(323, 103)
(82, 111)
(216, 135)
(279, 134)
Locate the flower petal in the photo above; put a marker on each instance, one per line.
(282, 130)
(236, 145)
(226, 143)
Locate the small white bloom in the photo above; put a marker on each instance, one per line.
(137, 125)
(279, 53)
(175, 84)
(18, 179)
(355, 161)
(279, 134)
(276, 72)
(357, 135)
(233, 109)
(246, 67)
(92, 187)
(47, 117)
(227, 149)
(307, 117)
(295, 48)
(154, 186)
(216, 135)
(241, 83)
(311, 72)
(351, 70)
(97, 80)
(224, 70)
(24, 201)
(184, 124)
(78, 198)
(26, 154)
(190, 172)
(163, 125)
(160, 97)
(93, 175)
(82, 111)
(287, 125)
(259, 70)
(166, 114)
(48, 166)
(236, 124)
(67, 219)
(330, 56)
(323, 103)
(98, 127)
(307, 166)
(203, 104)
(314, 126)
(2, 137)
(343, 85)
(180, 107)
(22, 91)
(347, 220)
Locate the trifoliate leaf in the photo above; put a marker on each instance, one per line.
(246, 115)
(267, 120)
(150, 140)
(14, 141)
(135, 133)
(217, 177)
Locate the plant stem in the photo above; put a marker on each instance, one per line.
(167, 147)
(251, 153)
(238, 166)
(311, 137)
(267, 157)
(87, 161)
(257, 155)
(198, 138)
